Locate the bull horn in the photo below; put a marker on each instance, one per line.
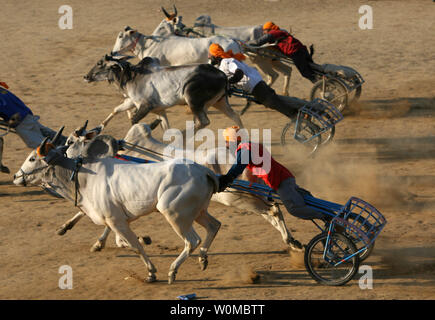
(80, 131)
(57, 136)
(166, 13)
(175, 10)
(155, 123)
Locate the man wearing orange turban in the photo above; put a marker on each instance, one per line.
(257, 160)
(249, 80)
(288, 45)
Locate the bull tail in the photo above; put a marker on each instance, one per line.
(212, 178)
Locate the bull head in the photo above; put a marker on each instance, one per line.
(102, 69)
(46, 154)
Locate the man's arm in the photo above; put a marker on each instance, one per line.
(267, 38)
(235, 170)
(236, 77)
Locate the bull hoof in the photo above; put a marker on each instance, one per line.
(97, 247)
(171, 277)
(295, 245)
(5, 169)
(151, 278)
(61, 231)
(203, 261)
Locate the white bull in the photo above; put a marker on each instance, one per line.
(169, 48)
(114, 193)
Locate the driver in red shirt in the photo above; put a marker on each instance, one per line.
(288, 45)
(260, 163)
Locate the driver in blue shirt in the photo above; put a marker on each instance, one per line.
(15, 114)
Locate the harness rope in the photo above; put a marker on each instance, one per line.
(123, 142)
(24, 174)
(75, 176)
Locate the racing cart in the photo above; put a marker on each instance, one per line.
(312, 126)
(333, 256)
(337, 84)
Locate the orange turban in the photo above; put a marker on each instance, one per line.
(270, 26)
(216, 51)
(230, 134)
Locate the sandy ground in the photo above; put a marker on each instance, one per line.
(383, 152)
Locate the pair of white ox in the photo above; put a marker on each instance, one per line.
(180, 52)
(167, 44)
(180, 191)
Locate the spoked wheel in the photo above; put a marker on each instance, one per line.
(357, 94)
(322, 269)
(327, 135)
(306, 131)
(332, 91)
(358, 90)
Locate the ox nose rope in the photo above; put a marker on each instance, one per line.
(24, 174)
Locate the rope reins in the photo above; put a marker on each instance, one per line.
(26, 174)
(123, 142)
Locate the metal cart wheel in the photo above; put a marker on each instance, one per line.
(331, 90)
(322, 269)
(306, 130)
(357, 94)
(327, 135)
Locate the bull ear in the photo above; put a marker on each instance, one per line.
(91, 134)
(126, 28)
(58, 135)
(97, 129)
(155, 123)
(42, 149)
(101, 147)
